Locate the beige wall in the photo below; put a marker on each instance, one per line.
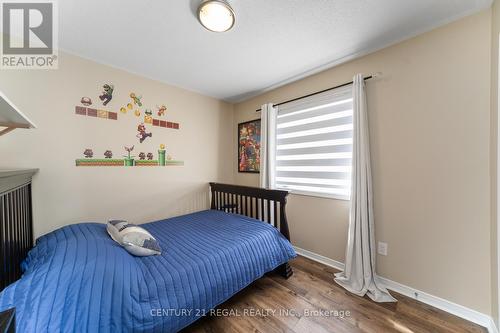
(430, 138)
(495, 35)
(66, 194)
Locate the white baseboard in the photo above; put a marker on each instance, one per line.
(319, 258)
(437, 302)
(492, 328)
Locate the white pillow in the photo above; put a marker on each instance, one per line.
(113, 227)
(136, 240)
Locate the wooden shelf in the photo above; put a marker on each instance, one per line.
(11, 117)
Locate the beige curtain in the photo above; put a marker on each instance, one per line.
(268, 118)
(359, 276)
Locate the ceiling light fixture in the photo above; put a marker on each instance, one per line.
(216, 15)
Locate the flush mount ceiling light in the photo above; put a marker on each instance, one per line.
(216, 15)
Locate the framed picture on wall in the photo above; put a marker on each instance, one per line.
(249, 146)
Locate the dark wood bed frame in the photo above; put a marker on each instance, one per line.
(16, 224)
(259, 203)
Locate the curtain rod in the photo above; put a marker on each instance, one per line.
(322, 91)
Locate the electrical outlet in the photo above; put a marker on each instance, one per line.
(382, 248)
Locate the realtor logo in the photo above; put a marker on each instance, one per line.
(29, 35)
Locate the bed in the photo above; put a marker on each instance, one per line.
(77, 279)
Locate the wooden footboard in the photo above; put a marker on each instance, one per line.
(259, 203)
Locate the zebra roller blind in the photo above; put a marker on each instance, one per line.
(314, 144)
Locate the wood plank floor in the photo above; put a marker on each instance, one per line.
(307, 303)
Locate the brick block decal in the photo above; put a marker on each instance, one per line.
(102, 114)
(81, 110)
(165, 124)
(90, 112)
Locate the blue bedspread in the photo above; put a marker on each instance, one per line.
(77, 279)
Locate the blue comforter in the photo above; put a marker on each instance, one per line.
(77, 279)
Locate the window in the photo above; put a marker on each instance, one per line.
(314, 144)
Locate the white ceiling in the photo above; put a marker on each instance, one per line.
(272, 42)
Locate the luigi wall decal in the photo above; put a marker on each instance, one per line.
(107, 94)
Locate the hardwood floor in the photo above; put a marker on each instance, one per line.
(307, 303)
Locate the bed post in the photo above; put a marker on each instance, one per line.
(284, 221)
(212, 199)
(284, 270)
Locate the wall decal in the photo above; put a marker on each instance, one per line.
(161, 155)
(249, 146)
(136, 99)
(107, 94)
(166, 124)
(148, 116)
(88, 153)
(135, 104)
(142, 135)
(91, 112)
(83, 111)
(86, 101)
(146, 162)
(128, 160)
(100, 162)
(102, 114)
(161, 110)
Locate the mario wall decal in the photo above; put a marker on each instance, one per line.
(142, 135)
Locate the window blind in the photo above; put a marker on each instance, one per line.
(314, 144)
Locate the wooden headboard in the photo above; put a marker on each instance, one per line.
(259, 203)
(16, 222)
